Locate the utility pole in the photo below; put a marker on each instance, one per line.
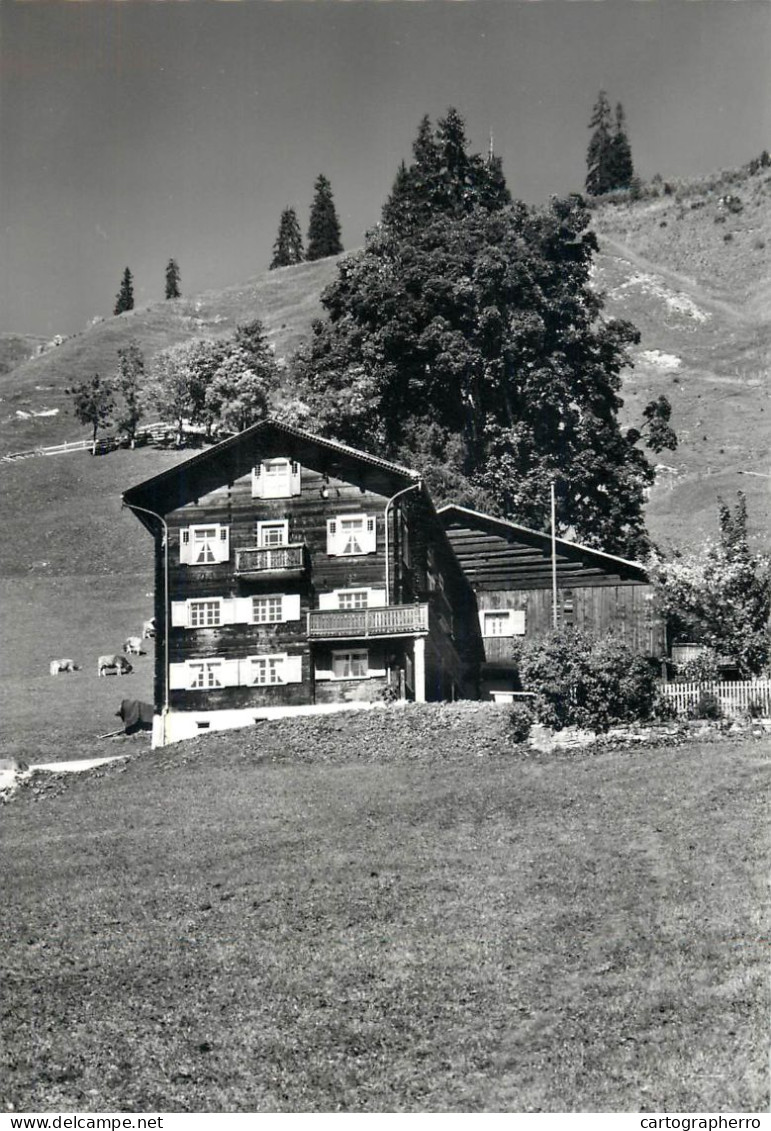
(553, 558)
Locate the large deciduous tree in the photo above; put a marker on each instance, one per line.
(288, 248)
(324, 226)
(720, 594)
(124, 300)
(475, 348)
(180, 379)
(93, 404)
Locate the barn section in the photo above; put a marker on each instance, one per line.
(510, 570)
(301, 574)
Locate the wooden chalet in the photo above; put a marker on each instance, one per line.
(510, 569)
(296, 574)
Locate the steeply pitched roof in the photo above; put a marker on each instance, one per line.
(496, 552)
(235, 455)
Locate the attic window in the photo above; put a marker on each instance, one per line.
(276, 479)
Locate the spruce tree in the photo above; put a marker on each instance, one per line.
(622, 168)
(599, 157)
(324, 227)
(444, 179)
(125, 297)
(172, 280)
(288, 248)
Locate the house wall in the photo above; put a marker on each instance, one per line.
(323, 497)
(626, 609)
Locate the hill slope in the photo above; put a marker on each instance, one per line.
(287, 301)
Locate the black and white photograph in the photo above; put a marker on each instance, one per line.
(385, 577)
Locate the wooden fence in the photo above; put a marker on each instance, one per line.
(735, 698)
(104, 444)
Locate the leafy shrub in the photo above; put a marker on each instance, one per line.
(707, 707)
(588, 683)
(701, 669)
(521, 720)
(664, 709)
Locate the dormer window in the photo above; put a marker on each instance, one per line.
(276, 479)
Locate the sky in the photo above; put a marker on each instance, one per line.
(134, 131)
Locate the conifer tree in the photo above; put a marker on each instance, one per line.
(324, 227)
(288, 248)
(599, 157)
(125, 297)
(622, 168)
(444, 179)
(172, 279)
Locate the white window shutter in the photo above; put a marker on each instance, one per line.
(517, 622)
(179, 677)
(296, 484)
(369, 537)
(228, 610)
(290, 606)
(331, 536)
(242, 610)
(179, 614)
(258, 482)
(377, 598)
(328, 600)
(482, 620)
(184, 546)
(292, 669)
(222, 550)
(229, 673)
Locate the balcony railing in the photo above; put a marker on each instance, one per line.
(355, 624)
(253, 561)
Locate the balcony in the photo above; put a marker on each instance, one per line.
(358, 624)
(261, 561)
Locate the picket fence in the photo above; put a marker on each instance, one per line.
(735, 698)
(104, 444)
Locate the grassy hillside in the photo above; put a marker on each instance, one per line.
(15, 349)
(287, 301)
(419, 919)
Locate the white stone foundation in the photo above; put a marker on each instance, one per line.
(180, 725)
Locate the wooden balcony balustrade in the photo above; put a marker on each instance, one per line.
(356, 624)
(254, 561)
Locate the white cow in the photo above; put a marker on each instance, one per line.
(57, 667)
(132, 646)
(116, 665)
(148, 629)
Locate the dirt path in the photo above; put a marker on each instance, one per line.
(608, 244)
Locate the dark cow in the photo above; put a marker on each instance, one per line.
(113, 665)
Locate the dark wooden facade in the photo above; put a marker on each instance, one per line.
(510, 569)
(254, 589)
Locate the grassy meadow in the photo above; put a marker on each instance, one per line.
(409, 916)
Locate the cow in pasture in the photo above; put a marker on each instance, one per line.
(113, 665)
(132, 646)
(148, 629)
(57, 667)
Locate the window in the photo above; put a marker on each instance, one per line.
(267, 670)
(205, 614)
(351, 534)
(205, 673)
(267, 610)
(350, 665)
(502, 622)
(276, 479)
(204, 545)
(496, 624)
(354, 599)
(272, 534)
